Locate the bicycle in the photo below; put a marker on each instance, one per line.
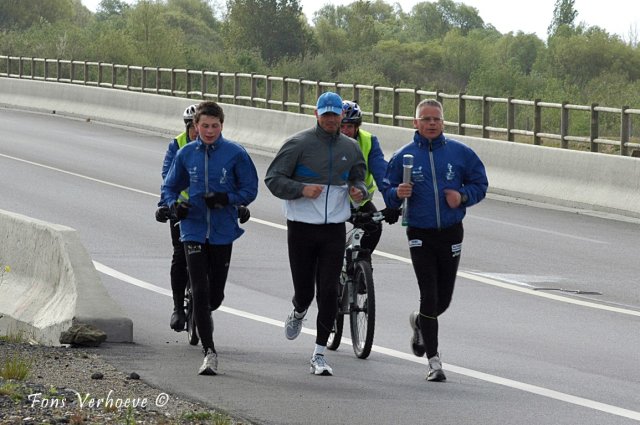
(356, 293)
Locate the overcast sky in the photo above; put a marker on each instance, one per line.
(530, 16)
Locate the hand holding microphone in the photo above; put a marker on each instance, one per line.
(407, 165)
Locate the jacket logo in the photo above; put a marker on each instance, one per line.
(223, 179)
(193, 174)
(450, 173)
(344, 158)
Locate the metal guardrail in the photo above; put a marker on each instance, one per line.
(595, 128)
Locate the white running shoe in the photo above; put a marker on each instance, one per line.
(293, 325)
(435, 374)
(210, 363)
(319, 366)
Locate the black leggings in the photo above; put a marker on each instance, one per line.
(208, 270)
(435, 255)
(315, 257)
(178, 272)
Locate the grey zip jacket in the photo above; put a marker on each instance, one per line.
(314, 156)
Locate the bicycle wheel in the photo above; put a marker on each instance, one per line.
(363, 310)
(192, 333)
(336, 333)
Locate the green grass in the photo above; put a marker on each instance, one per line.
(11, 390)
(215, 418)
(15, 368)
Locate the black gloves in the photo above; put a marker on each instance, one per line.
(391, 215)
(180, 209)
(216, 199)
(243, 214)
(163, 214)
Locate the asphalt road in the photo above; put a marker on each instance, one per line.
(512, 354)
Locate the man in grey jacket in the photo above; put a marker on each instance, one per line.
(317, 172)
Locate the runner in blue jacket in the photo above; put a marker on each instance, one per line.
(447, 178)
(220, 177)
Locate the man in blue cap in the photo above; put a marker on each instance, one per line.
(315, 172)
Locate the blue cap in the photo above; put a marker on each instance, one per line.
(329, 102)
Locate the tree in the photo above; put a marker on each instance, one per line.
(276, 28)
(110, 8)
(157, 43)
(564, 13)
(434, 20)
(22, 14)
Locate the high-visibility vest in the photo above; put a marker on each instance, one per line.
(182, 140)
(364, 141)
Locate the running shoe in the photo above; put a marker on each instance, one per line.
(319, 366)
(435, 374)
(417, 343)
(210, 363)
(293, 325)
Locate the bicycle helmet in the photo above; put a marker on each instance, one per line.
(352, 113)
(189, 113)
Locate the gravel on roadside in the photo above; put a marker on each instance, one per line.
(76, 386)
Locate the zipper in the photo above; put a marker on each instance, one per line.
(206, 189)
(326, 199)
(435, 184)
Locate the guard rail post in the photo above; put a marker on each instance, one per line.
(594, 130)
(462, 113)
(537, 122)
(564, 125)
(624, 131)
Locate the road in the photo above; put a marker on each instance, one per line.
(512, 354)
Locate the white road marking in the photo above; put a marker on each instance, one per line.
(462, 274)
(533, 389)
(537, 229)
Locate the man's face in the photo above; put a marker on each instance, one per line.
(329, 121)
(349, 129)
(429, 123)
(209, 128)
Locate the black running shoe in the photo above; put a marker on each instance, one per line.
(417, 343)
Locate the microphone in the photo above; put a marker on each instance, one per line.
(407, 165)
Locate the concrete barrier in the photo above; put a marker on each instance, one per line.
(605, 183)
(52, 283)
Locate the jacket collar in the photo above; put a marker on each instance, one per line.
(202, 145)
(324, 135)
(423, 142)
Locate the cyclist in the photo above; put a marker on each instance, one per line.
(178, 271)
(315, 171)
(447, 178)
(219, 176)
(376, 168)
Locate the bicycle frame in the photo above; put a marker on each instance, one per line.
(356, 294)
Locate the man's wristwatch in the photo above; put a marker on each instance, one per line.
(463, 198)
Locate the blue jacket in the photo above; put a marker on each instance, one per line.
(224, 166)
(437, 165)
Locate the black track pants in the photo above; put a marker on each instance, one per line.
(315, 257)
(435, 255)
(208, 270)
(178, 271)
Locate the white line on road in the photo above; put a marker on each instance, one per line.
(465, 275)
(533, 389)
